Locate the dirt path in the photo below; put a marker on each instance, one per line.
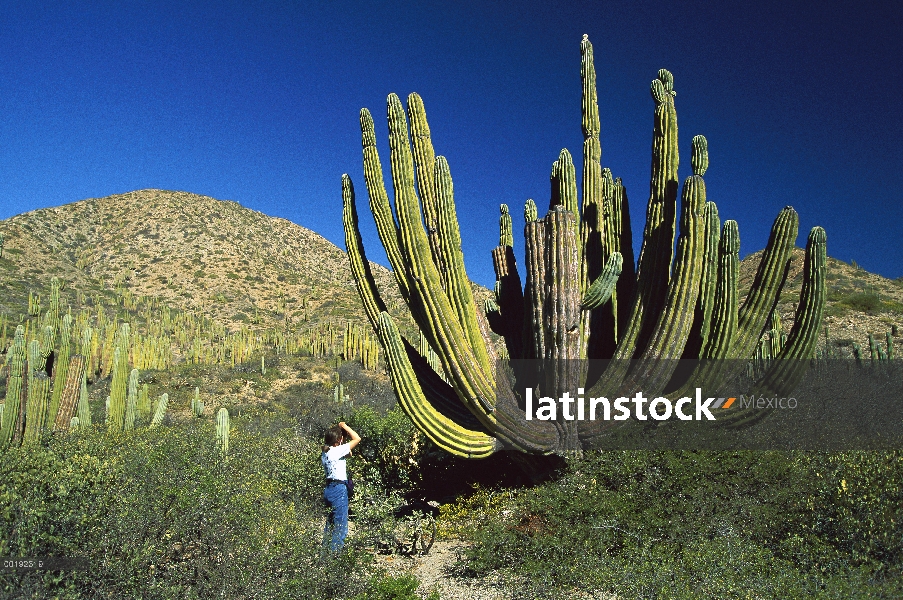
(434, 570)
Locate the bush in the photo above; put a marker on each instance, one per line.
(706, 524)
(862, 301)
(158, 513)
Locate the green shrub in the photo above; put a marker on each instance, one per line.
(704, 525)
(158, 513)
(862, 301)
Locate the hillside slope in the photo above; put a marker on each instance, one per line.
(196, 253)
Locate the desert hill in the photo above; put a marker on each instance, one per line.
(215, 258)
(235, 265)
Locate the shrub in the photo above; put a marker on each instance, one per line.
(706, 524)
(158, 513)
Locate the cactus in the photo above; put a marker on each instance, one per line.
(118, 386)
(222, 430)
(679, 302)
(84, 409)
(60, 367)
(263, 366)
(10, 430)
(197, 405)
(37, 405)
(70, 393)
(160, 411)
(131, 402)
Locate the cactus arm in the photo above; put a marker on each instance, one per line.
(424, 163)
(709, 372)
(15, 388)
(360, 266)
(791, 362)
(600, 290)
(474, 386)
(440, 428)
(375, 308)
(457, 286)
(37, 407)
(667, 342)
(626, 287)
(658, 236)
(710, 271)
(379, 204)
(767, 284)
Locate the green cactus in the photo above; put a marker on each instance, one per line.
(160, 411)
(197, 405)
(222, 430)
(144, 406)
(74, 423)
(15, 385)
(131, 402)
(37, 405)
(679, 302)
(60, 366)
(84, 409)
(118, 385)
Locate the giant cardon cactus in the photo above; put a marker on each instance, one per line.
(581, 296)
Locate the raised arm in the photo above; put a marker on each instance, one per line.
(355, 438)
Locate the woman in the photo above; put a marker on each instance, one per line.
(336, 493)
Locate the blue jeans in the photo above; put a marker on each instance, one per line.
(336, 496)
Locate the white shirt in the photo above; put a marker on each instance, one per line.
(334, 462)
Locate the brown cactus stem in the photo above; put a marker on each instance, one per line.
(71, 392)
(535, 289)
(561, 318)
(767, 285)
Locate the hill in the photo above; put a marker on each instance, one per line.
(236, 266)
(212, 257)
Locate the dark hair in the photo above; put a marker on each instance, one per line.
(333, 435)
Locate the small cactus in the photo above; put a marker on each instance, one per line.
(160, 412)
(197, 405)
(222, 429)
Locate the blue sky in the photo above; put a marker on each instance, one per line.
(258, 102)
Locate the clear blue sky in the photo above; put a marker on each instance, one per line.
(258, 103)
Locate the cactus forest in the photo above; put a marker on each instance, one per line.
(578, 295)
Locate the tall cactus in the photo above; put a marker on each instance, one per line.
(679, 301)
(15, 388)
(118, 386)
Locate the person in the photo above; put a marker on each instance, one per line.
(336, 493)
